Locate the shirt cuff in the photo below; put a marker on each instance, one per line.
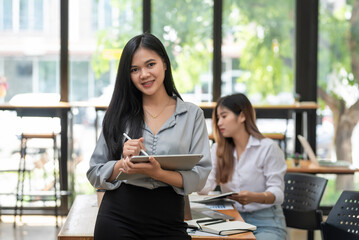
(278, 194)
(105, 173)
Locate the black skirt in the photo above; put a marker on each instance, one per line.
(132, 212)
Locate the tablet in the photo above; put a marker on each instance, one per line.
(168, 162)
(213, 198)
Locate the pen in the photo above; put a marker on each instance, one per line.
(208, 220)
(128, 138)
(215, 222)
(143, 152)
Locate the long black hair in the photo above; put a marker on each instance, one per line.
(125, 111)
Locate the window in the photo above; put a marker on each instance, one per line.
(101, 14)
(97, 33)
(31, 14)
(29, 52)
(21, 70)
(6, 7)
(338, 94)
(79, 75)
(49, 76)
(258, 50)
(185, 28)
(337, 76)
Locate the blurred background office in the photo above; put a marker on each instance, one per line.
(276, 52)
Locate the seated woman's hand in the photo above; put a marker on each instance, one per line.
(243, 197)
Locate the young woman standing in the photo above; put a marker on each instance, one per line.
(146, 105)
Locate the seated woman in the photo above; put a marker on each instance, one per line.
(249, 164)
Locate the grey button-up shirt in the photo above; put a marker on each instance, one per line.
(183, 133)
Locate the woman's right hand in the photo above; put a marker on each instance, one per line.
(133, 147)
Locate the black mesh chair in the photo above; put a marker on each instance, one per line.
(302, 196)
(343, 219)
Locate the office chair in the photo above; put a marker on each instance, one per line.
(302, 196)
(343, 219)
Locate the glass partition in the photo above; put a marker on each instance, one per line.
(29, 46)
(258, 50)
(185, 28)
(98, 30)
(338, 92)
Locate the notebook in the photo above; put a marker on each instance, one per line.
(220, 227)
(228, 227)
(321, 162)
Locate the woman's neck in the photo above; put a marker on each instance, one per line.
(240, 141)
(157, 99)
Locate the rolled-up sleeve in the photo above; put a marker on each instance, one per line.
(101, 168)
(274, 171)
(195, 179)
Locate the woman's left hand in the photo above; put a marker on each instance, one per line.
(151, 169)
(243, 197)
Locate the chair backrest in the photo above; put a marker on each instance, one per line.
(302, 196)
(345, 213)
(303, 192)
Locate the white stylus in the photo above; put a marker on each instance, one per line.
(126, 136)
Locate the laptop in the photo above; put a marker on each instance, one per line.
(321, 162)
(204, 212)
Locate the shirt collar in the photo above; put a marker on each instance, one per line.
(180, 107)
(253, 141)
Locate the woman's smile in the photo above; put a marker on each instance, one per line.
(148, 84)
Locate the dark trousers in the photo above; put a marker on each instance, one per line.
(132, 212)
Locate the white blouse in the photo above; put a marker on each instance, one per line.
(261, 167)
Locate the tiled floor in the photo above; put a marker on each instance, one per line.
(31, 228)
(43, 227)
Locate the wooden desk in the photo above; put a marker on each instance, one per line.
(307, 167)
(61, 110)
(85, 208)
(74, 228)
